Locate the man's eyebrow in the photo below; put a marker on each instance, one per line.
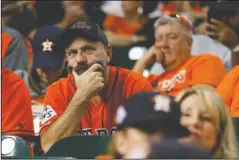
(88, 46)
(82, 47)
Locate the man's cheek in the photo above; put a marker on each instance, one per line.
(71, 63)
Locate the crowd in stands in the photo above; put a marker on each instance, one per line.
(67, 71)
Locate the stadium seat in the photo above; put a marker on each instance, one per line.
(13, 146)
(79, 147)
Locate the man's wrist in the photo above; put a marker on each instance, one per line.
(143, 63)
(81, 96)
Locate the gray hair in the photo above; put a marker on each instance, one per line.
(170, 20)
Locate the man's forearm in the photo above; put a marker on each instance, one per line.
(67, 124)
(139, 66)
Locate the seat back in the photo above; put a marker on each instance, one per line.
(13, 146)
(86, 147)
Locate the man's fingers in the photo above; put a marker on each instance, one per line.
(216, 22)
(212, 34)
(100, 79)
(96, 67)
(98, 74)
(214, 27)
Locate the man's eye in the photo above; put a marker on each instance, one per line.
(172, 37)
(158, 39)
(88, 50)
(73, 52)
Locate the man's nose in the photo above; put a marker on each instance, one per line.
(163, 43)
(80, 57)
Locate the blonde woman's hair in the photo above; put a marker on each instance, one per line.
(227, 146)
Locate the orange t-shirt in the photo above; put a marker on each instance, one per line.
(98, 119)
(17, 116)
(202, 69)
(6, 41)
(119, 25)
(229, 90)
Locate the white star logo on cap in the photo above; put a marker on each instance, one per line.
(47, 46)
(120, 115)
(162, 103)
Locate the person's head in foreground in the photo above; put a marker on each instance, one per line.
(173, 41)
(143, 117)
(206, 117)
(48, 55)
(86, 45)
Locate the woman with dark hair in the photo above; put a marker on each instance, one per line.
(135, 27)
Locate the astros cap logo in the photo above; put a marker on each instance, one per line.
(47, 46)
(162, 103)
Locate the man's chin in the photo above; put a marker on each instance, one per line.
(167, 64)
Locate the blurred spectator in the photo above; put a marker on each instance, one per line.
(209, 46)
(157, 116)
(205, 115)
(48, 66)
(21, 16)
(229, 90)
(73, 12)
(135, 27)
(48, 60)
(48, 12)
(221, 22)
(85, 102)
(94, 13)
(14, 50)
(16, 106)
(172, 7)
(113, 8)
(172, 49)
(63, 13)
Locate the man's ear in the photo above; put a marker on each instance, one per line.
(108, 50)
(65, 58)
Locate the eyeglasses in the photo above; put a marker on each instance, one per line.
(182, 20)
